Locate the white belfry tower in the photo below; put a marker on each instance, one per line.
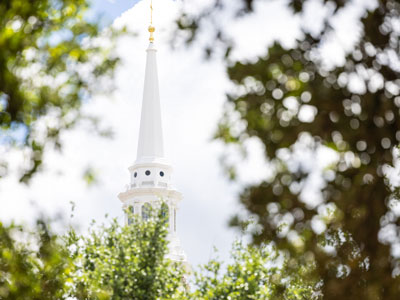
(150, 175)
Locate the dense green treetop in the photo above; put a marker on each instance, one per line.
(126, 262)
(256, 273)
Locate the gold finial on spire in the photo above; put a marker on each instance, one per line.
(151, 27)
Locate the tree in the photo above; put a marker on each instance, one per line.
(255, 273)
(126, 262)
(116, 262)
(50, 62)
(34, 265)
(110, 262)
(292, 102)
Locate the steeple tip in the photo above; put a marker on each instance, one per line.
(151, 27)
(151, 30)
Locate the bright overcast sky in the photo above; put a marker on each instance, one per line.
(192, 94)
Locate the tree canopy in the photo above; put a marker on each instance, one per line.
(256, 273)
(110, 262)
(50, 63)
(297, 105)
(114, 262)
(125, 262)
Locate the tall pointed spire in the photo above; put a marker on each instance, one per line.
(150, 146)
(150, 175)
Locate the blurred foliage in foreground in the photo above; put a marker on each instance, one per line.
(131, 262)
(298, 106)
(33, 264)
(50, 62)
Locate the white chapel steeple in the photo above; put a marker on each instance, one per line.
(150, 175)
(151, 144)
